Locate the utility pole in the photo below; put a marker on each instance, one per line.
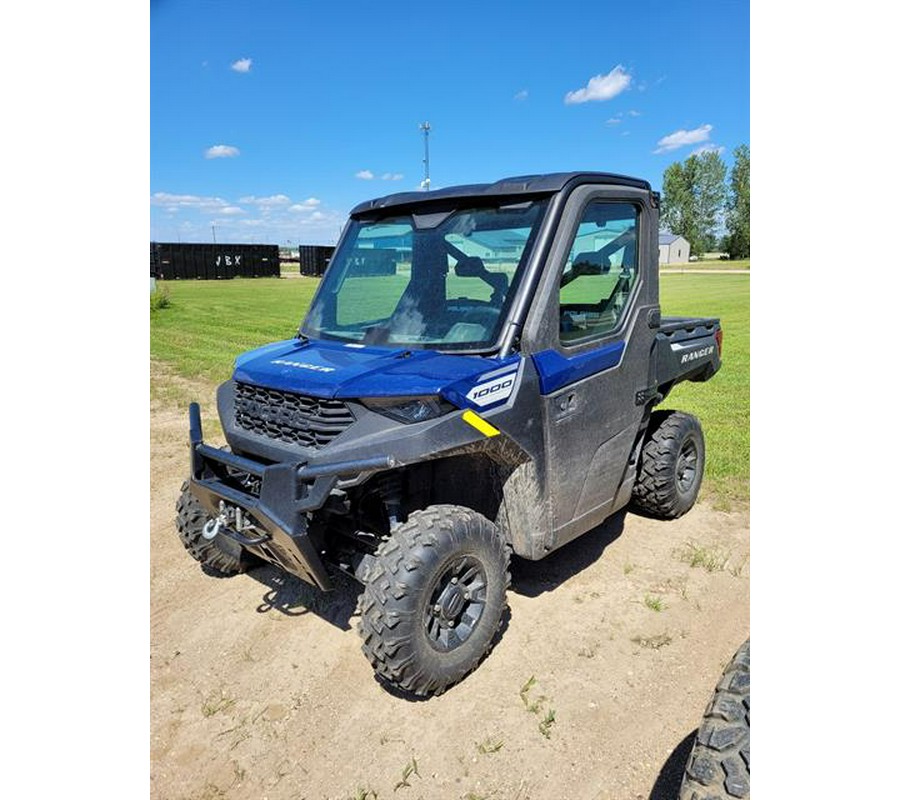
(425, 127)
(214, 233)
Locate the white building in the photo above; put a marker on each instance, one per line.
(673, 249)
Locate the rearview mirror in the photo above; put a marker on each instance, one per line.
(591, 263)
(470, 267)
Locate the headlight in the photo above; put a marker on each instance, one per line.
(410, 409)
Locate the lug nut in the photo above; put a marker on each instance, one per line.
(451, 623)
(454, 580)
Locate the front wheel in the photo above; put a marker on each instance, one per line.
(434, 598)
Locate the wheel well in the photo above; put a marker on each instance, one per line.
(507, 492)
(364, 514)
(501, 486)
(473, 480)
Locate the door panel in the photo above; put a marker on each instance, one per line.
(589, 445)
(595, 355)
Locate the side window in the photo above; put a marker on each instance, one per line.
(600, 271)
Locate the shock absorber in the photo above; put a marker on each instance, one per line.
(391, 488)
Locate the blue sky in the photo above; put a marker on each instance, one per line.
(270, 120)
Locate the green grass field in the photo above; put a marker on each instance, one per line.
(210, 322)
(723, 403)
(712, 264)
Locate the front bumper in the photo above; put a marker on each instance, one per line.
(287, 492)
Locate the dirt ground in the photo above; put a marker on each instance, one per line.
(259, 688)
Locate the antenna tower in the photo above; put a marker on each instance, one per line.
(425, 127)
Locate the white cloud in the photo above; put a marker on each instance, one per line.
(601, 87)
(523, 95)
(325, 221)
(365, 174)
(222, 151)
(708, 148)
(613, 120)
(242, 65)
(307, 205)
(392, 176)
(681, 137)
(634, 113)
(272, 218)
(186, 201)
(266, 202)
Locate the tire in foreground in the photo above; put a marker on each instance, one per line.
(719, 764)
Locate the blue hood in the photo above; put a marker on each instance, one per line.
(338, 370)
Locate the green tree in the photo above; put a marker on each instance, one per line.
(709, 171)
(693, 199)
(738, 214)
(677, 212)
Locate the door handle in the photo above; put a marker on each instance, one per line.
(564, 405)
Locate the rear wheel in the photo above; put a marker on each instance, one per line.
(434, 598)
(220, 554)
(670, 468)
(719, 765)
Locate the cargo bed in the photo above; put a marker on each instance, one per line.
(686, 349)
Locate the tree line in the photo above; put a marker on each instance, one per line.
(697, 200)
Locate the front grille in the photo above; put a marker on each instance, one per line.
(288, 417)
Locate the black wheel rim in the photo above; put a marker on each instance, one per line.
(456, 604)
(686, 467)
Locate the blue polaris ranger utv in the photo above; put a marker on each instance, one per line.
(476, 376)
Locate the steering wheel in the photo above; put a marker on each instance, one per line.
(481, 312)
(471, 301)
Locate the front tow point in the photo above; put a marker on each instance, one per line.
(211, 529)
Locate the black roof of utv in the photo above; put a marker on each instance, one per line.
(519, 185)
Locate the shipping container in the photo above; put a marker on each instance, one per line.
(180, 261)
(314, 259)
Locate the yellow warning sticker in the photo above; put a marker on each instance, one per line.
(479, 424)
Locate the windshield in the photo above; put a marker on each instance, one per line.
(438, 280)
